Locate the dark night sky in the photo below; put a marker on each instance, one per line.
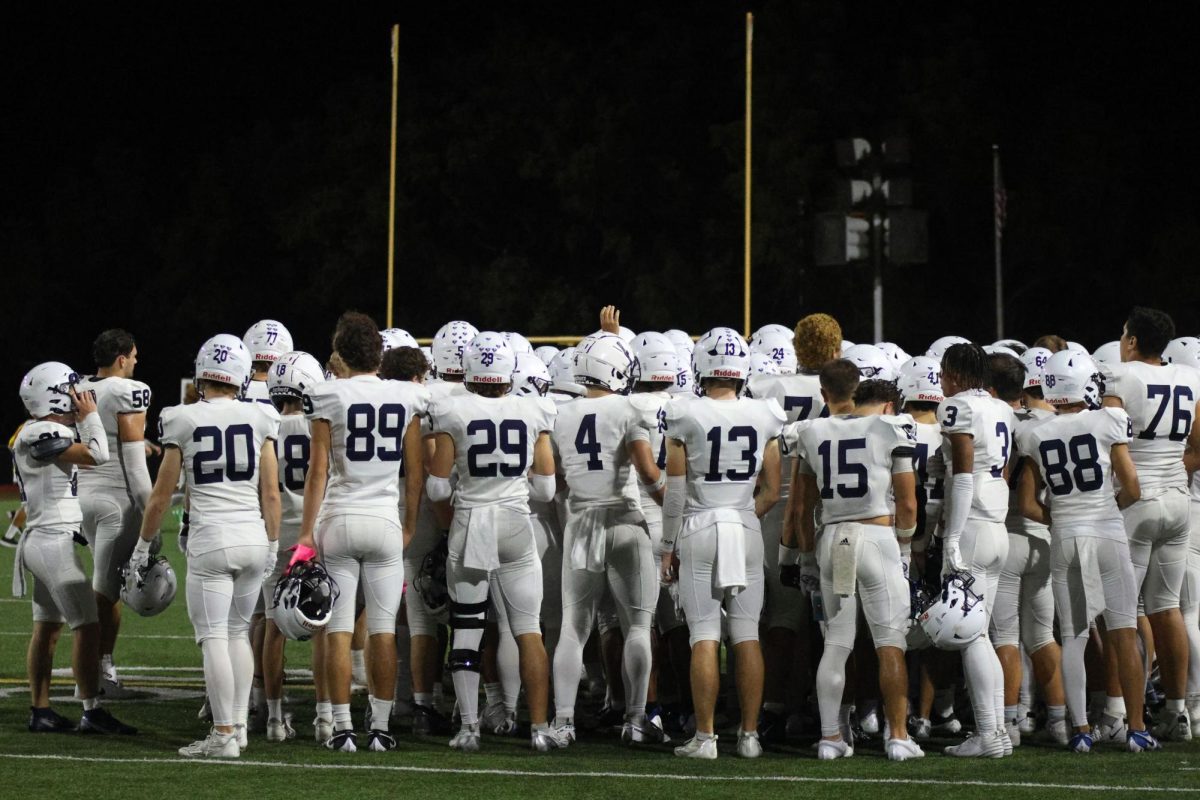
(193, 169)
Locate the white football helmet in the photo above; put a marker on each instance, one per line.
(562, 374)
(1034, 359)
(489, 359)
(397, 337)
(224, 359)
(994, 349)
(1107, 353)
(448, 346)
(46, 389)
(293, 376)
(546, 353)
(920, 380)
(303, 600)
(517, 342)
(654, 359)
(721, 353)
(1072, 378)
(1184, 350)
(150, 591)
(604, 361)
(1076, 346)
(1016, 345)
(531, 376)
(267, 340)
(896, 353)
(775, 341)
(762, 364)
(871, 362)
(940, 346)
(427, 351)
(770, 329)
(956, 617)
(681, 340)
(626, 334)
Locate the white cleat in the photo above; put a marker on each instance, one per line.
(1005, 742)
(644, 732)
(1058, 732)
(1026, 722)
(1013, 729)
(280, 730)
(547, 739)
(239, 733)
(829, 749)
(903, 750)
(322, 729)
(870, 722)
(494, 717)
(1173, 727)
(467, 739)
(921, 728)
(215, 745)
(698, 748)
(1110, 731)
(748, 745)
(978, 745)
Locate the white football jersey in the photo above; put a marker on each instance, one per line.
(990, 423)
(1074, 454)
(258, 392)
(799, 395)
(48, 489)
(653, 408)
(725, 440)
(929, 441)
(1016, 521)
(367, 419)
(493, 445)
(853, 459)
(114, 397)
(293, 448)
(1161, 402)
(220, 441)
(590, 436)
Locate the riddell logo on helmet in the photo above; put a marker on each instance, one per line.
(726, 373)
(926, 397)
(488, 379)
(220, 377)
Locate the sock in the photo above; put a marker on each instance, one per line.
(91, 703)
(508, 663)
(241, 660)
(977, 660)
(774, 708)
(423, 699)
(381, 712)
(358, 663)
(539, 726)
(1175, 706)
(466, 689)
(1075, 678)
(219, 679)
(561, 721)
(1011, 714)
(1114, 707)
(275, 709)
(567, 667)
(1056, 713)
(831, 683)
(341, 717)
(493, 693)
(636, 662)
(324, 710)
(704, 737)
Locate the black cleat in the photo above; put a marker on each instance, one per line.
(380, 741)
(98, 720)
(342, 742)
(47, 720)
(429, 722)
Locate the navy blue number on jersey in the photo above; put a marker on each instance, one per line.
(1005, 437)
(805, 405)
(846, 468)
(505, 446)
(1073, 465)
(921, 465)
(239, 460)
(737, 434)
(375, 434)
(295, 461)
(587, 444)
(1181, 412)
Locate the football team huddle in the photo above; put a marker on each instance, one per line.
(987, 536)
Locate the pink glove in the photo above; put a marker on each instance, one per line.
(300, 552)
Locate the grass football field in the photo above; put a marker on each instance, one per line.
(158, 658)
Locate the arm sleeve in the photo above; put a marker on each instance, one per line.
(962, 494)
(137, 475)
(673, 503)
(541, 488)
(91, 433)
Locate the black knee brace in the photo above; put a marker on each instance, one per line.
(467, 621)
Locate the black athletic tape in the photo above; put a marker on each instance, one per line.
(465, 660)
(467, 623)
(469, 608)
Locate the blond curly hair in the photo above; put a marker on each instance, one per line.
(818, 341)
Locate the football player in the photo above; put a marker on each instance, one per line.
(492, 439)
(364, 430)
(606, 541)
(717, 447)
(228, 450)
(860, 467)
(1024, 610)
(977, 443)
(45, 460)
(1075, 454)
(113, 495)
(1163, 401)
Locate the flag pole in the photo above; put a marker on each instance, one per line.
(391, 254)
(997, 236)
(746, 220)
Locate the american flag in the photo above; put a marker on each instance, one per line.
(1001, 199)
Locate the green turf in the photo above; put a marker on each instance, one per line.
(168, 723)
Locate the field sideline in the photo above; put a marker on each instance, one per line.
(158, 656)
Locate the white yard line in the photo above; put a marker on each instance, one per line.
(123, 635)
(517, 773)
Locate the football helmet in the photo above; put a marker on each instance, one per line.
(604, 361)
(680, 339)
(1108, 353)
(293, 376)
(562, 373)
(427, 351)
(46, 389)
(940, 346)
(776, 342)
(896, 353)
(448, 346)
(957, 616)
(152, 589)
(1076, 346)
(1016, 345)
(430, 582)
(489, 359)
(654, 359)
(546, 353)
(303, 600)
(871, 362)
(626, 334)
(1184, 350)
(721, 353)
(846, 345)
(1034, 359)
(762, 364)
(531, 376)
(517, 342)
(1069, 377)
(920, 380)
(224, 359)
(267, 340)
(397, 337)
(994, 349)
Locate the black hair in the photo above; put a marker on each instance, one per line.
(652, 386)
(110, 344)
(921, 405)
(969, 364)
(721, 383)
(873, 391)
(839, 379)
(1008, 376)
(1034, 392)
(403, 364)
(1154, 329)
(488, 389)
(356, 339)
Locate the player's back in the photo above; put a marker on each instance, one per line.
(590, 435)
(258, 392)
(48, 488)
(799, 394)
(114, 396)
(989, 422)
(1017, 522)
(1161, 402)
(293, 449)
(852, 460)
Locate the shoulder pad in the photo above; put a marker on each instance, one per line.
(49, 446)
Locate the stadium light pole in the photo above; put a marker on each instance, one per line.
(391, 255)
(746, 209)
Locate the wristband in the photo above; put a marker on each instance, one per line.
(788, 555)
